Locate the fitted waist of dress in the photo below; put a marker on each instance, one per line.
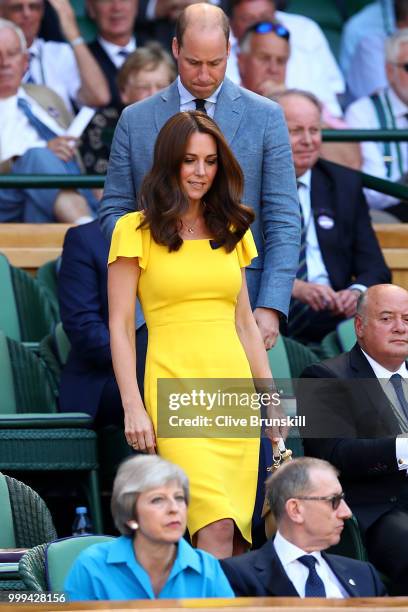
(190, 322)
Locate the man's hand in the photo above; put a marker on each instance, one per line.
(67, 19)
(347, 300)
(318, 297)
(267, 320)
(63, 147)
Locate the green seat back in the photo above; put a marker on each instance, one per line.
(8, 398)
(47, 277)
(351, 542)
(279, 362)
(7, 537)
(61, 554)
(62, 343)
(9, 320)
(346, 335)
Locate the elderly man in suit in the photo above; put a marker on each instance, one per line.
(340, 254)
(33, 121)
(356, 412)
(256, 132)
(308, 503)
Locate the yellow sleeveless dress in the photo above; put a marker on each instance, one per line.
(188, 299)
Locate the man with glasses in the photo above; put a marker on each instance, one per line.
(386, 109)
(356, 412)
(308, 503)
(311, 64)
(68, 68)
(263, 57)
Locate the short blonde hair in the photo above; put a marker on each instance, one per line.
(136, 475)
(146, 58)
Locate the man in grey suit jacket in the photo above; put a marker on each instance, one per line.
(257, 133)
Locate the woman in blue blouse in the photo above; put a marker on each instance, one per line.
(151, 559)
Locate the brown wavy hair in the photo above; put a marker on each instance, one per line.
(163, 200)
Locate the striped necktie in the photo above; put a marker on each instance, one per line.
(298, 311)
(42, 130)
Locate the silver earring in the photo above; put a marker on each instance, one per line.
(133, 525)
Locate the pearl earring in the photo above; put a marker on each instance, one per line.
(133, 525)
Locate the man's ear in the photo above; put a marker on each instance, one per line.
(294, 511)
(175, 48)
(358, 325)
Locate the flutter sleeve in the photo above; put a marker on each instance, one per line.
(129, 240)
(246, 249)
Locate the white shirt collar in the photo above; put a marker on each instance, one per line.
(381, 372)
(288, 552)
(305, 179)
(112, 50)
(186, 96)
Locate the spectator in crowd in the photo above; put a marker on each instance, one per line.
(258, 136)
(308, 503)
(377, 18)
(387, 109)
(67, 68)
(151, 559)
(263, 57)
(367, 69)
(158, 17)
(311, 64)
(145, 72)
(88, 383)
(115, 20)
(33, 121)
(340, 255)
(356, 415)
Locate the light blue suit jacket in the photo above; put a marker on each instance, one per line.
(256, 131)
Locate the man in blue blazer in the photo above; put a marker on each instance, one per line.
(88, 382)
(256, 131)
(307, 500)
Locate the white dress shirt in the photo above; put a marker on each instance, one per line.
(311, 64)
(298, 573)
(53, 64)
(384, 375)
(17, 135)
(187, 99)
(114, 51)
(362, 115)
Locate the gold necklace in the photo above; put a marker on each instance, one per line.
(190, 228)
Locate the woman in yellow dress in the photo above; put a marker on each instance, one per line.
(184, 255)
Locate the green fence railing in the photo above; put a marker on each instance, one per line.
(63, 181)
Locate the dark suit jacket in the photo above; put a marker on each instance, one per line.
(350, 248)
(260, 573)
(82, 293)
(109, 69)
(347, 242)
(351, 423)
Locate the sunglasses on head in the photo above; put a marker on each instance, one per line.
(265, 27)
(335, 500)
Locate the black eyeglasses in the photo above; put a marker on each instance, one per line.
(265, 27)
(400, 65)
(335, 500)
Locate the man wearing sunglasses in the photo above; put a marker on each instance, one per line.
(308, 503)
(356, 412)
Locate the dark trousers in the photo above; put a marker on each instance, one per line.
(387, 547)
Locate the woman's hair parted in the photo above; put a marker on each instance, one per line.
(163, 200)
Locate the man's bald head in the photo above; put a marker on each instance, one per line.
(381, 324)
(201, 17)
